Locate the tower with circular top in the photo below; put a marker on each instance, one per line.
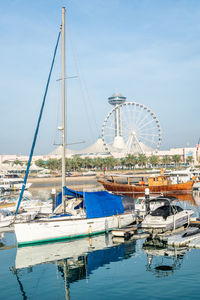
(116, 99)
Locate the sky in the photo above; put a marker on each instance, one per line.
(148, 50)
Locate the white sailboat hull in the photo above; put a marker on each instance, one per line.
(47, 230)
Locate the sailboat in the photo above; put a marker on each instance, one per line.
(100, 211)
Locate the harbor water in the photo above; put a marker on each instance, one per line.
(100, 267)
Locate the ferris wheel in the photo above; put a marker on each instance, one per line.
(131, 128)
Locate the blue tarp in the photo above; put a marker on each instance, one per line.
(102, 204)
(97, 204)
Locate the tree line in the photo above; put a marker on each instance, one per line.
(129, 162)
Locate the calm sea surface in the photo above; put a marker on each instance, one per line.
(98, 268)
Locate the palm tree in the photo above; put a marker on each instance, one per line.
(130, 161)
(109, 162)
(176, 159)
(154, 160)
(17, 162)
(87, 163)
(68, 164)
(98, 163)
(52, 164)
(6, 161)
(122, 162)
(77, 162)
(142, 159)
(40, 163)
(166, 159)
(189, 159)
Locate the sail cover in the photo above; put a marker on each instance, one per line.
(102, 204)
(69, 193)
(97, 204)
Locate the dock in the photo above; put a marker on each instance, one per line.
(130, 232)
(189, 237)
(125, 232)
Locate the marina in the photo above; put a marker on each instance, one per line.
(102, 266)
(117, 218)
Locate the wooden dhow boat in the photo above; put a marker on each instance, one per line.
(156, 184)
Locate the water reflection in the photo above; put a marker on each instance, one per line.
(162, 260)
(75, 260)
(196, 197)
(2, 243)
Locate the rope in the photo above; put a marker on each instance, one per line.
(37, 128)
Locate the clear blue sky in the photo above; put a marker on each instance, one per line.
(148, 50)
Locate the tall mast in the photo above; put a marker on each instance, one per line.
(63, 107)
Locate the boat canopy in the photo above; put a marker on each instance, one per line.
(97, 204)
(166, 211)
(167, 199)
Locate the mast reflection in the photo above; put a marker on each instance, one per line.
(75, 260)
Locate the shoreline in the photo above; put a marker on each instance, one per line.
(76, 182)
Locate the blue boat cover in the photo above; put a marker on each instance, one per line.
(102, 204)
(97, 204)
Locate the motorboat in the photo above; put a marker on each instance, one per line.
(141, 208)
(28, 204)
(7, 219)
(12, 182)
(180, 176)
(168, 216)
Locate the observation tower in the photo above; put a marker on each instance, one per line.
(116, 100)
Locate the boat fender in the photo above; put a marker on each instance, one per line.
(90, 230)
(106, 226)
(119, 222)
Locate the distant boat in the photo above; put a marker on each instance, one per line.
(12, 182)
(156, 184)
(96, 212)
